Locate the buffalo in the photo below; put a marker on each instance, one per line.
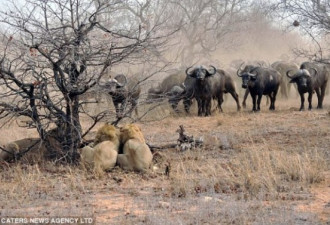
(207, 85)
(227, 86)
(311, 77)
(260, 81)
(282, 67)
(246, 69)
(123, 91)
(164, 88)
(230, 86)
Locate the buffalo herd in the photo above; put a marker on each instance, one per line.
(205, 84)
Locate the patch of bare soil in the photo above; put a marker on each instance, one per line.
(254, 168)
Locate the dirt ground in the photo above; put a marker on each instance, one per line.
(254, 168)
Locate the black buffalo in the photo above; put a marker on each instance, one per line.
(311, 77)
(247, 69)
(261, 81)
(227, 86)
(207, 85)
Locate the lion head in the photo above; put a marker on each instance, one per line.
(131, 131)
(107, 133)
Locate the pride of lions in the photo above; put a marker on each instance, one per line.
(125, 147)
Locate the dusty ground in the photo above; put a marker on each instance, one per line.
(255, 168)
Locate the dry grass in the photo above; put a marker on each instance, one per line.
(255, 168)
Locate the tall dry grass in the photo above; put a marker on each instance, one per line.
(255, 172)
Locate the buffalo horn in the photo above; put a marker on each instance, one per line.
(314, 71)
(239, 70)
(122, 78)
(305, 72)
(214, 70)
(252, 74)
(288, 74)
(187, 71)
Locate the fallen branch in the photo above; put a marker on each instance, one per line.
(162, 147)
(184, 142)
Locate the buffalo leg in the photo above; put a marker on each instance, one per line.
(204, 107)
(318, 94)
(310, 95)
(284, 90)
(208, 107)
(267, 100)
(302, 99)
(272, 102)
(187, 103)
(254, 102)
(323, 90)
(134, 107)
(235, 96)
(272, 97)
(287, 89)
(220, 101)
(323, 87)
(247, 91)
(259, 101)
(200, 107)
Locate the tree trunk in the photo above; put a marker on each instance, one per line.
(63, 141)
(72, 131)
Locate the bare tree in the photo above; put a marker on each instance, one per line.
(313, 19)
(53, 51)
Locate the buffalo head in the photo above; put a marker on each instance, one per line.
(118, 82)
(200, 73)
(302, 77)
(247, 74)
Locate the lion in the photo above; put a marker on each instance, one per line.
(11, 148)
(102, 155)
(28, 150)
(136, 153)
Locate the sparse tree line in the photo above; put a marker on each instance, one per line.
(54, 52)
